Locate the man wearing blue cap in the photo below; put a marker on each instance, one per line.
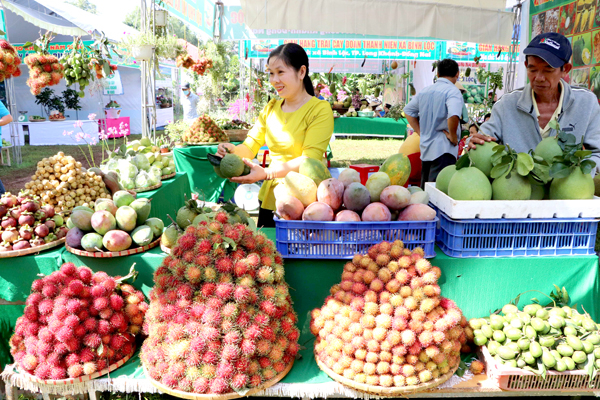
(521, 118)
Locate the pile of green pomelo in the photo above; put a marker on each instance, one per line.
(558, 168)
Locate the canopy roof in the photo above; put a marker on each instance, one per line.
(40, 16)
(480, 21)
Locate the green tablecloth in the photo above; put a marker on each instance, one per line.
(168, 198)
(192, 161)
(370, 126)
(477, 285)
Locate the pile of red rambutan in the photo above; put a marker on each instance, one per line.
(9, 61)
(385, 324)
(44, 70)
(76, 323)
(220, 317)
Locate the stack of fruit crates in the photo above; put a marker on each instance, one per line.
(496, 228)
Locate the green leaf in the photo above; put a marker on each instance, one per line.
(27, 44)
(463, 162)
(583, 153)
(499, 170)
(524, 164)
(230, 242)
(559, 170)
(554, 125)
(589, 366)
(499, 148)
(571, 139)
(565, 296)
(587, 166)
(540, 160)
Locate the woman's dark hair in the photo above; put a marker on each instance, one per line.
(293, 55)
(474, 125)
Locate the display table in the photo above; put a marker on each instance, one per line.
(164, 116)
(477, 285)
(50, 133)
(361, 126)
(6, 132)
(112, 126)
(168, 198)
(202, 177)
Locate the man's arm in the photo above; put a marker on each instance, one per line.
(453, 122)
(414, 123)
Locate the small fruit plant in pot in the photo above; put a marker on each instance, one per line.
(112, 109)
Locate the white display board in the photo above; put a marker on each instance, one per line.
(51, 132)
(164, 116)
(6, 132)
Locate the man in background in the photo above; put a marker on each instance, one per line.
(189, 101)
(435, 114)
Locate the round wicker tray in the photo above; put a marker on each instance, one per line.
(384, 391)
(32, 250)
(55, 120)
(204, 144)
(165, 249)
(147, 189)
(165, 177)
(110, 254)
(234, 395)
(80, 379)
(237, 135)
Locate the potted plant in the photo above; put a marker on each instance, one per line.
(112, 110)
(140, 46)
(50, 102)
(160, 18)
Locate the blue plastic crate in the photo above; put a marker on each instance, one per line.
(516, 237)
(317, 239)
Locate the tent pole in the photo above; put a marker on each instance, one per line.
(15, 139)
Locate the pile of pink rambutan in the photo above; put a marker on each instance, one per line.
(44, 70)
(76, 323)
(220, 317)
(9, 61)
(385, 324)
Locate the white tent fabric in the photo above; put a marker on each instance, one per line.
(88, 22)
(42, 19)
(479, 21)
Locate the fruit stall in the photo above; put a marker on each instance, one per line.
(384, 127)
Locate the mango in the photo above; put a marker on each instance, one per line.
(318, 211)
(356, 197)
(376, 183)
(395, 197)
(126, 218)
(331, 191)
(419, 198)
(349, 176)
(103, 221)
(92, 242)
(142, 235)
(106, 205)
(82, 219)
(142, 209)
(116, 240)
(302, 187)
(347, 216)
(417, 212)
(123, 198)
(376, 212)
(289, 207)
(156, 225)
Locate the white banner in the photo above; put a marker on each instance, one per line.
(113, 85)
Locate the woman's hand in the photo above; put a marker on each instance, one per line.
(257, 173)
(223, 148)
(478, 138)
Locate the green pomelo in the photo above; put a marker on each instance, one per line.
(481, 157)
(443, 178)
(548, 148)
(538, 192)
(218, 172)
(576, 186)
(470, 184)
(232, 165)
(314, 169)
(597, 185)
(516, 187)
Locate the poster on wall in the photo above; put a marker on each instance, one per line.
(579, 21)
(113, 84)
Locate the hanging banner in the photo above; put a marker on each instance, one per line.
(198, 13)
(2, 24)
(383, 49)
(113, 85)
(579, 21)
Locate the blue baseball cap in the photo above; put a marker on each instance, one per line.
(552, 47)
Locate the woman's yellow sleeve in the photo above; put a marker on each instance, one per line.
(319, 131)
(256, 137)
